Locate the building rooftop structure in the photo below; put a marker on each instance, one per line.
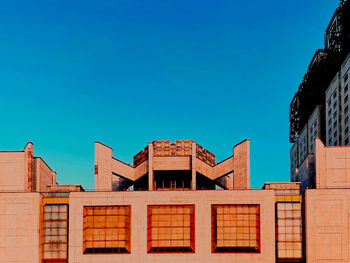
(181, 165)
(22, 171)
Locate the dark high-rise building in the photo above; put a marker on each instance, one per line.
(319, 108)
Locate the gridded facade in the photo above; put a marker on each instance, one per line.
(106, 229)
(294, 162)
(288, 231)
(170, 228)
(302, 145)
(332, 113)
(314, 128)
(236, 228)
(344, 82)
(55, 240)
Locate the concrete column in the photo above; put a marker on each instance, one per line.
(241, 165)
(29, 167)
(103, 167)
(54, 178)
(150, 167)
(193, 167)
(320, 164)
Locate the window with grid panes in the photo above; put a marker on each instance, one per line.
(106, 229)
(55, 240)
(170, 228)
(236, 228)
(289, 231)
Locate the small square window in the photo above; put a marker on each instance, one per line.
(346, 141)
(346, 88)
(346, 98)
(346, 130)
(335, 143)
(329, 102)
(346, 109)
(346, 77)
(334, 95)
(329, 141)
(335, 114)
(330, 121)
(335, 134)
(346, 119)
(335, 124)
(335, 104)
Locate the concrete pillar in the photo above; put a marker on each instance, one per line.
(193, 167)
(29, 167)
(54, 178)
(320, 164)
(150, 167)
(241, 165)
(103, 167)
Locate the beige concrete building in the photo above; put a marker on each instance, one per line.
(176, 203)
(21, 171)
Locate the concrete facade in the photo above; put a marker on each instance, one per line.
(187, 213)
(332, 166)
(327, 219)
(20, 171)
(19, 227)
(202, 201)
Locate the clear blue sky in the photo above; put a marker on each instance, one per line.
(126, 72)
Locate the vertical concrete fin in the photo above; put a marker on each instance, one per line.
(150, 166)
(54, 178)
(193, 166)
(29, 164)
(241, 165)
(320, 164)
(103, 167)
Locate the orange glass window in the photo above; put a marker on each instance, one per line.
(106, 229)
(235, 228)
(289, 231)
(170, 228)
(55, 240)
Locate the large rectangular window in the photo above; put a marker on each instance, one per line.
(106, 229)
(170, 228)
(289, 231)
(55, 245)
(235, 228)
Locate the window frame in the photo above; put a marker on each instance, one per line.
(108, 250)
(50, 242)
(161, 250)
(237, 249)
